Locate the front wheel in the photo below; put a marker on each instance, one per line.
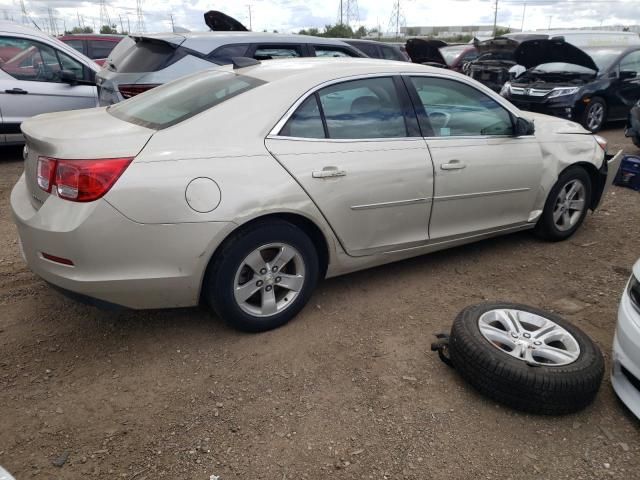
(595, 114)
(566, 205)
(262, 276)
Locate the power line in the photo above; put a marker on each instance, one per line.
(140, 15)
(348, 12)
(397, 20)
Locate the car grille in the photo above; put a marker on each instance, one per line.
(633, 380)
(530, 92)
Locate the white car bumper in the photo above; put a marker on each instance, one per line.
(625, 374)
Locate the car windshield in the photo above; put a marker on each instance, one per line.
(556, 67)
(603, 57)
(453, 52)
(177, 101)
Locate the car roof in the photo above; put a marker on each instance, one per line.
(365, 40)
(206, 42)
(91, 36)
(12, 27)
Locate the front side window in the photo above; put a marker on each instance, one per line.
(177, 101)
(268, 52)
(456, 109)
(390, 53)
(326, 51)
(631, 63)
(34, 61)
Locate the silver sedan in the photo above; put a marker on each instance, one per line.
(241, 188)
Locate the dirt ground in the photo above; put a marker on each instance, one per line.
(349, 389)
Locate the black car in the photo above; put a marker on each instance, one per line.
(375, 49)
(633, 125)
(590, 86)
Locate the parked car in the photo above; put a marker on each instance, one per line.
(457, 56)
(426, 52)
(144, 62)
(39, 74)
(581, 38)
(633, 124)
(95, 46)
(625, 372)
(189, 192)
(590, 86)
(375, 49)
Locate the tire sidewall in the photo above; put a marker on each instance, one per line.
(546, 226)
(219, 287)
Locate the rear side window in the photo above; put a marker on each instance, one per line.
(173, 103)
(229, 51)
(368, 49)
(100, 48)
(328, 51)
(148, 56)
(390, 53)
(306, 121)
(268, 52)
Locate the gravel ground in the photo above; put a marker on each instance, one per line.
(347, 390)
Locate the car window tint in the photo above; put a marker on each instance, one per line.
(100, 48)
(29, 60)
(76, 45)
(326, 51)
(457, 109)
(177, 101)
(268, 52)
(390, 53)
(631, 63)
(369, 49)
(229, 51)
(148, 55)
(363, 109)
(305, 122)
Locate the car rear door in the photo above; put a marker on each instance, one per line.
(356, 150)
(30, 84)
(485, 178)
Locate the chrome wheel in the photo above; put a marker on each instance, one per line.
(595, 116)
(269, 279)
(570, 204)
(529, 337)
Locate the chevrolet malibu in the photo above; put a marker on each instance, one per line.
(242, 187)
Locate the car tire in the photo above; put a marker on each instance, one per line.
(271, 305)
(524, 385)
(552, 228)
(594, 115)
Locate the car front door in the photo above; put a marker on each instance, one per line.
(30, 83)
(627, 86)
(357, 152)
(485, 178)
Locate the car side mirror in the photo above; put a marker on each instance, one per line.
(627, 74)
(524, 127)
(68, 76)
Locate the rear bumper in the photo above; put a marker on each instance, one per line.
(115, 260)
(625, 372)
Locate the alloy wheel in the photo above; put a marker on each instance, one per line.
(595, 116)
(529, 337)
(269, 279)
(570, 204)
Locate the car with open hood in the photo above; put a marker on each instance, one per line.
(145, 61)
(458, 56)
(189, 193)
(426, 51)
(590, 86)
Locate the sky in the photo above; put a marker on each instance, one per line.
(293, 15)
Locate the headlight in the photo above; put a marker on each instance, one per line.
(634, 291)
(506, 88)
(562, 91)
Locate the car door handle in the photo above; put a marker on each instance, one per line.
(16, 91)
(328, 172)
(453, 165)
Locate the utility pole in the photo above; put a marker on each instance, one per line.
(104, 14)
(250, 26)
(128, 24)
(550, 17)
(121, 24)
(524, 12)
(348, 13)
(341, 10)
(140, 15)
(173, 26)
(397, 18)
(495, 20)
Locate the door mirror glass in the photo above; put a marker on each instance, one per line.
(524, 127)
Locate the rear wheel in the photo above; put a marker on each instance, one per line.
(594, 115)
(262, 276)
(566, 205)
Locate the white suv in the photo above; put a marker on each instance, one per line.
(40, 74)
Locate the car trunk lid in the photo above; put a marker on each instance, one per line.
(77, 135)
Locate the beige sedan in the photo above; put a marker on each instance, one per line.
(243, 187)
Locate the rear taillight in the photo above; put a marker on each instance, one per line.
(80, 180)
(128, 91)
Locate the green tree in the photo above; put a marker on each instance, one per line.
(108, 29)
(360, 32)
(502, 31)
(79, 30)
(338, 31)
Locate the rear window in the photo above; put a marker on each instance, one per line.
(148, 56)
(177, 101)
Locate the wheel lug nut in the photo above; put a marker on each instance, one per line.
(537, 343)
(259, 283)
(278, 279)
(268, 288)
(514, 334)
(526, 335)
(263, 271)
(274, 269)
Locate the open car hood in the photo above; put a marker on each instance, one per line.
(495, 45)
(532, 53)
(425, 51)
(219, 22)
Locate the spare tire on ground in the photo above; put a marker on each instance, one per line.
(526, 358)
